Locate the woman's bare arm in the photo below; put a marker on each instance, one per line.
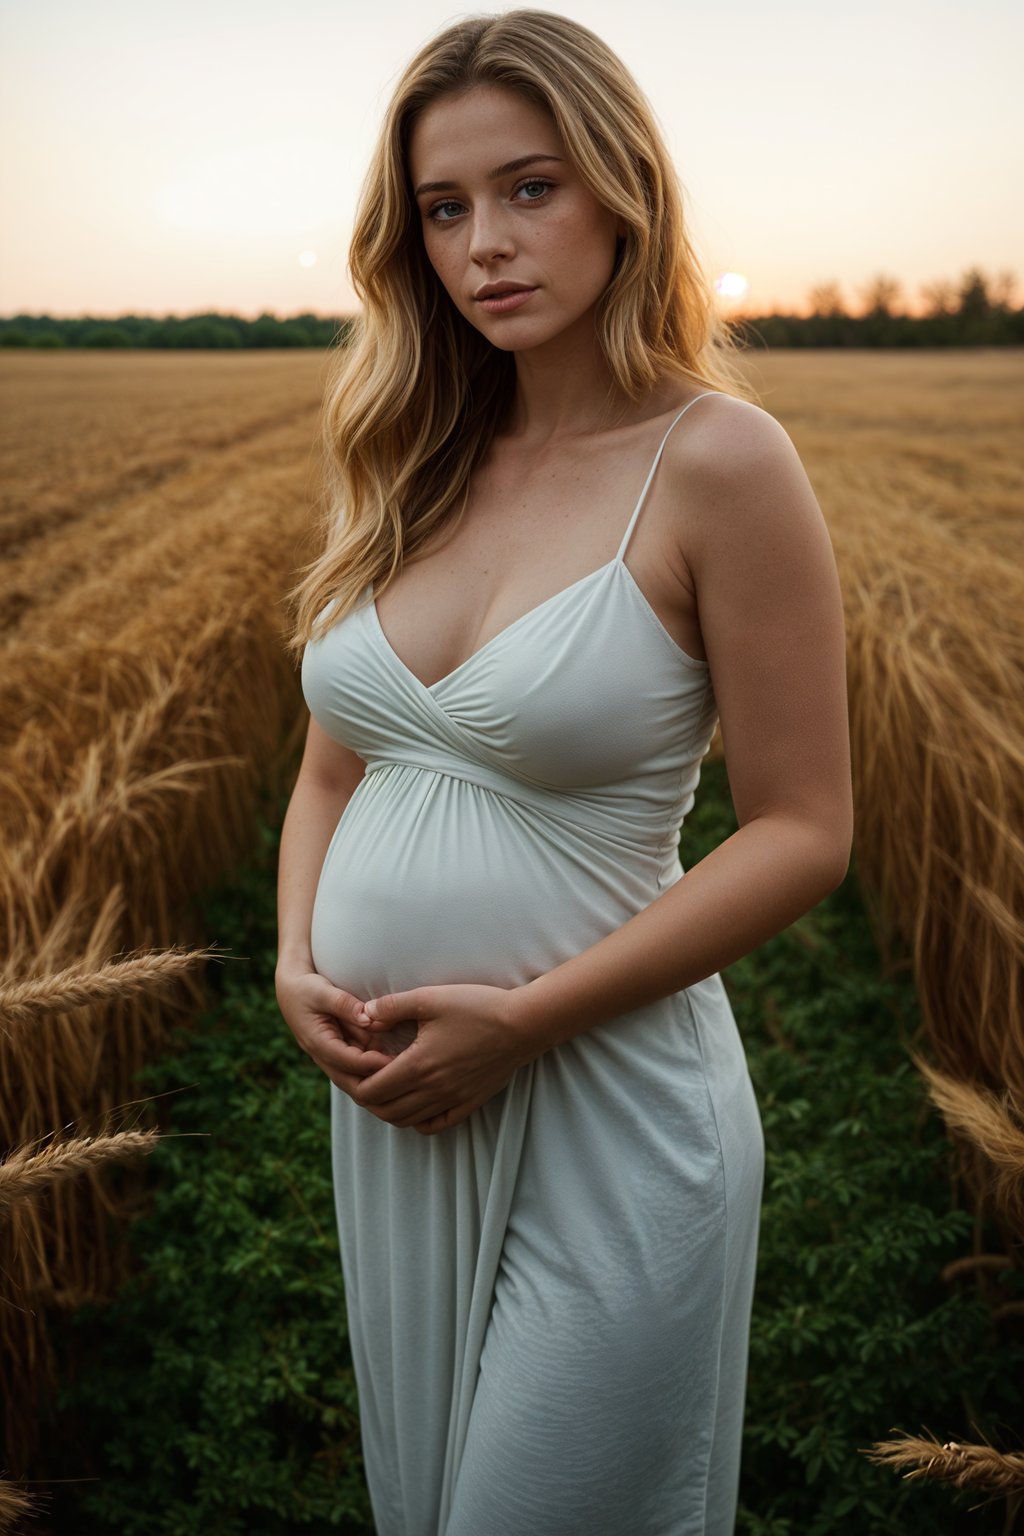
(325, 1019)
(327, 779)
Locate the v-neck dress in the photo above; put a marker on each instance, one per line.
(549, 1303)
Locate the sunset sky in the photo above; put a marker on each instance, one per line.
(207, 156)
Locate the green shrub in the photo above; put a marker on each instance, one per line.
(205, 333)
(105, 336)
(215, 1394)
(853, 1332)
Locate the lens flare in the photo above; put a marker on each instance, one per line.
(731, 285)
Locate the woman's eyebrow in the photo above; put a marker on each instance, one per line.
(499, 170)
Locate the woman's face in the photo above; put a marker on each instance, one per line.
(537, 225)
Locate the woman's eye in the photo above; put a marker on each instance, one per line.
(432, 213)
(534, 182)
(450, 202)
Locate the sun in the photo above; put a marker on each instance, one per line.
(731, 286)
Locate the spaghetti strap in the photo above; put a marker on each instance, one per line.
(650, 475)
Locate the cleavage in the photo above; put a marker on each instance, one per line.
(416, 619)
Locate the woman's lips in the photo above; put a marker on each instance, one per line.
(500, 302)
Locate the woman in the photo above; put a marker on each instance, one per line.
(547, 1152)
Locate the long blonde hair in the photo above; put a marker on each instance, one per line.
(416, 393)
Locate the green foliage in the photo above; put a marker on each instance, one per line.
(200, 331)
(853, 1332)
(215, 1394)
(204, 333)
(972, 311)
(105, 336)
(267, 331)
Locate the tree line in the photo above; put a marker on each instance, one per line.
(975, 311)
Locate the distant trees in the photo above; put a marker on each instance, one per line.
(973, 296)
(105, 336)
(940, 297)
(1002, 289)
(978, 310)
(172, 332)
(826, 299)
(882, 296)
(980, 296)
(202, 332)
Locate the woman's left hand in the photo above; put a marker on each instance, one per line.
(466, 1050)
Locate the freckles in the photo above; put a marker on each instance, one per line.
(444, 266)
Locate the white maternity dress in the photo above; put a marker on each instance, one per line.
(548, 1304)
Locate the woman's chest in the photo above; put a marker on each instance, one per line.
(516, 549)
(584, 690)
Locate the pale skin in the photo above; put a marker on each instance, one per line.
(734, 556)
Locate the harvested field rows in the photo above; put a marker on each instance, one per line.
(153, 510)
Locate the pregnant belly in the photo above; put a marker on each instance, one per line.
(431, 879)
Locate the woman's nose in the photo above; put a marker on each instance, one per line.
(490, 235)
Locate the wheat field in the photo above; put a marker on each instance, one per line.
(153, 510)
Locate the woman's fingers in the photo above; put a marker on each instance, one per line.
(446, 1120)
(413, 1109)
(313, 1006)
(425, 1109)
(344, 1006)
(392, 1007)
(332, 1050)
(343, 1080)
(396, 1084)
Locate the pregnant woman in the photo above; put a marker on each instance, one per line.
(560, 543)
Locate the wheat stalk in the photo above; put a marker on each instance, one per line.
(14, 1504)
(991, 1122)
(24, 1173)
(73, 987)
(963, 1466)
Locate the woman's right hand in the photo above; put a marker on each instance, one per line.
(325, 1021)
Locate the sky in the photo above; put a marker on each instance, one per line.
(208, 154)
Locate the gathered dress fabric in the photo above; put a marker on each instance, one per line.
(548, 1304)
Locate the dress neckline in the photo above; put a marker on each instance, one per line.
(616, 563)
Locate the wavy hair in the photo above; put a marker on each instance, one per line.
(415, 392)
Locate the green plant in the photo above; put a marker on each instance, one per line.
(853, 1332)
(215, 1394)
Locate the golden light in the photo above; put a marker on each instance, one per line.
(731, 285)
(307, 259)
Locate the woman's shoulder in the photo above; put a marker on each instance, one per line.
(736, 471)
(724, 433)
